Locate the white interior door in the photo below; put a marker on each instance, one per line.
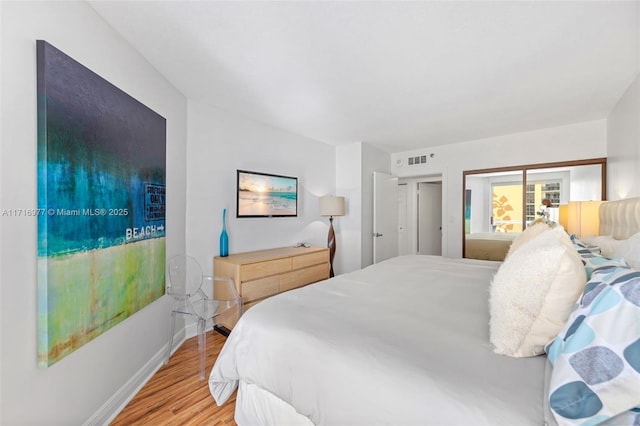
(402, 219)
(385, 216)
(430, 218)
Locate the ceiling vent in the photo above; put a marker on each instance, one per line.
(419, 159)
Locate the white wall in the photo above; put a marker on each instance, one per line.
(78, 386)
(623, 139)
(564, 143)
(220, 143)
(349, 227)
(623, 146)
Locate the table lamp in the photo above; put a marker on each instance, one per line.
(581, 218)
(331, 206)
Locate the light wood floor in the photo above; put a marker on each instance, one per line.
(176, 396)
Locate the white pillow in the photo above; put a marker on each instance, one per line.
(629, 250)
(529, 234)
(606, 243)
(532, 294)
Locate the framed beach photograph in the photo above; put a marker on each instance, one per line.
(266, 195)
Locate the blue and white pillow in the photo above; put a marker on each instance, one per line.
(596, 356)
(592, 259)
(595, 261)
(583, 247)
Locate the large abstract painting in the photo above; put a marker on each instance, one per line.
(467, 211)
(101, 205)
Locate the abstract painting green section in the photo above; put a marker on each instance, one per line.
(101, 190)
(87, 293)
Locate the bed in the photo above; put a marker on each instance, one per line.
(416, 340)
(488, 245)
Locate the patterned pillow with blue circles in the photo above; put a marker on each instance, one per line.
(583, 247)
(596, 356)
(591, 257)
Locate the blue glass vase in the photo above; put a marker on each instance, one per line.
(224, 238)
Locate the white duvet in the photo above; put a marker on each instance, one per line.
(402, 342)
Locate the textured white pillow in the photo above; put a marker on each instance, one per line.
(529, 234)
(532, 294)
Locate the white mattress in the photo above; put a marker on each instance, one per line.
(401, 342)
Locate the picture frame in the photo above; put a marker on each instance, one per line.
(266, 195)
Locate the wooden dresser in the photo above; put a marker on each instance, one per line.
(260, 274)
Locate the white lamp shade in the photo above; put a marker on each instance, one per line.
(331, 206)
(583, 218)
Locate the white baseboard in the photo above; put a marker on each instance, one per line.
(121, 398)
(190, 330)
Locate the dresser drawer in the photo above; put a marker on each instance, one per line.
(258, 289)
(262, 269)
(304, 276)
(310, 259)
(261, 274)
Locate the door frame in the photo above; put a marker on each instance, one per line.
(412, 210)
(420, 217)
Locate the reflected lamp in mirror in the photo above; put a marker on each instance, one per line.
(581, 218)
(331, 206)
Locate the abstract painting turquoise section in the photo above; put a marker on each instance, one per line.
(101, 205)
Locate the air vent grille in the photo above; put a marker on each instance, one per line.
(418, 159)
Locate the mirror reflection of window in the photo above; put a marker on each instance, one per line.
(494, 202)
(543, 196)
(507, 207)
(498, 205)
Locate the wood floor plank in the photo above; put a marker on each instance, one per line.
(176, 396)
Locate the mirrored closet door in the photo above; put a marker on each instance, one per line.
(500, 203)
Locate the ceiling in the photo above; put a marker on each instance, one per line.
(397, 75)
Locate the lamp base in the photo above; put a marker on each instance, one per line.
(331, 244)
